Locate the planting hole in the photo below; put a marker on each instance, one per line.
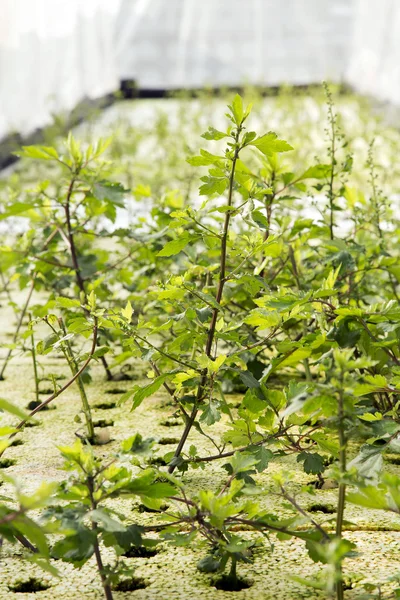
(16, 443)
(142, 508)
(130, 585)
(7, 462)
(171, 422)
(105, 405)
(32, 585)
(115, 391)
(328, 510)
(158, 460)
(35, 403)
(165, 441)
(103, 423)
(228, 584)
(123, 377)
(140, 552)
(47, 391)
(32, 424)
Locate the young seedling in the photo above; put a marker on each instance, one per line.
(83, 516)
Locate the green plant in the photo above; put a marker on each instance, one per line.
(67, 213)
(273, 330)
(86, 522)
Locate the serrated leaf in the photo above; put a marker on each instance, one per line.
(237, 109)
(127, 312)
(67, 302)
(269, 144)
(316, 172)
(173, 247)
(214, 134)
(11, 408)
(40, 152)
(111, 192)
(211, 413)
(147, 390)
(312, 461)
(213, 185)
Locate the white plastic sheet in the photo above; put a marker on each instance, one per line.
(191, 43)
(374, 66)
(53, 53)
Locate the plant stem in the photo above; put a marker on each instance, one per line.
(97, 553)
(106, 586)
(331, 194)
(233, 571)
(61, 390)
(35, 370)
(211, 332)
(342, 489)
(69, 354)
(19, 325)
(74, 258)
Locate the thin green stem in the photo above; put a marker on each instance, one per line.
(342, 488)
(211, 332)
(35, 369)
(19, 325)
(84, 399)
(99, 561)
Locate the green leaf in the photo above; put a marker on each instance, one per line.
(145, 486)
(248, 379)
(77, 548)
(371, 417)
(136, 444)
(260, 219)
(269, 144)
(237, 109)
(262, 319)
(67, 302)
(213, 185)
(208, 564)
(211, 413)
(11, 408)
(242, 462)
(204, 160)
(131, 536)
(127, 312)
(317, 172)
(214, 134)
(175, 246)
(147, 390)
(252, 402)
(368, 462)
(41, 152)
(295, 357)
(111, 192)
(17, 208)
(312, 462)
(100, 516)
(208, 299)
(263, 456)
(370, 497)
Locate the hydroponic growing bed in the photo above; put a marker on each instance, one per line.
(200, 353)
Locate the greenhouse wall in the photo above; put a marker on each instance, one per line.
(374, 66)
(54, 53)
(187, 43)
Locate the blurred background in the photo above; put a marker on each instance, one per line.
(54, 54)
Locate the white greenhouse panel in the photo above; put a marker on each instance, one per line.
(54, 53)
(191, 43)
